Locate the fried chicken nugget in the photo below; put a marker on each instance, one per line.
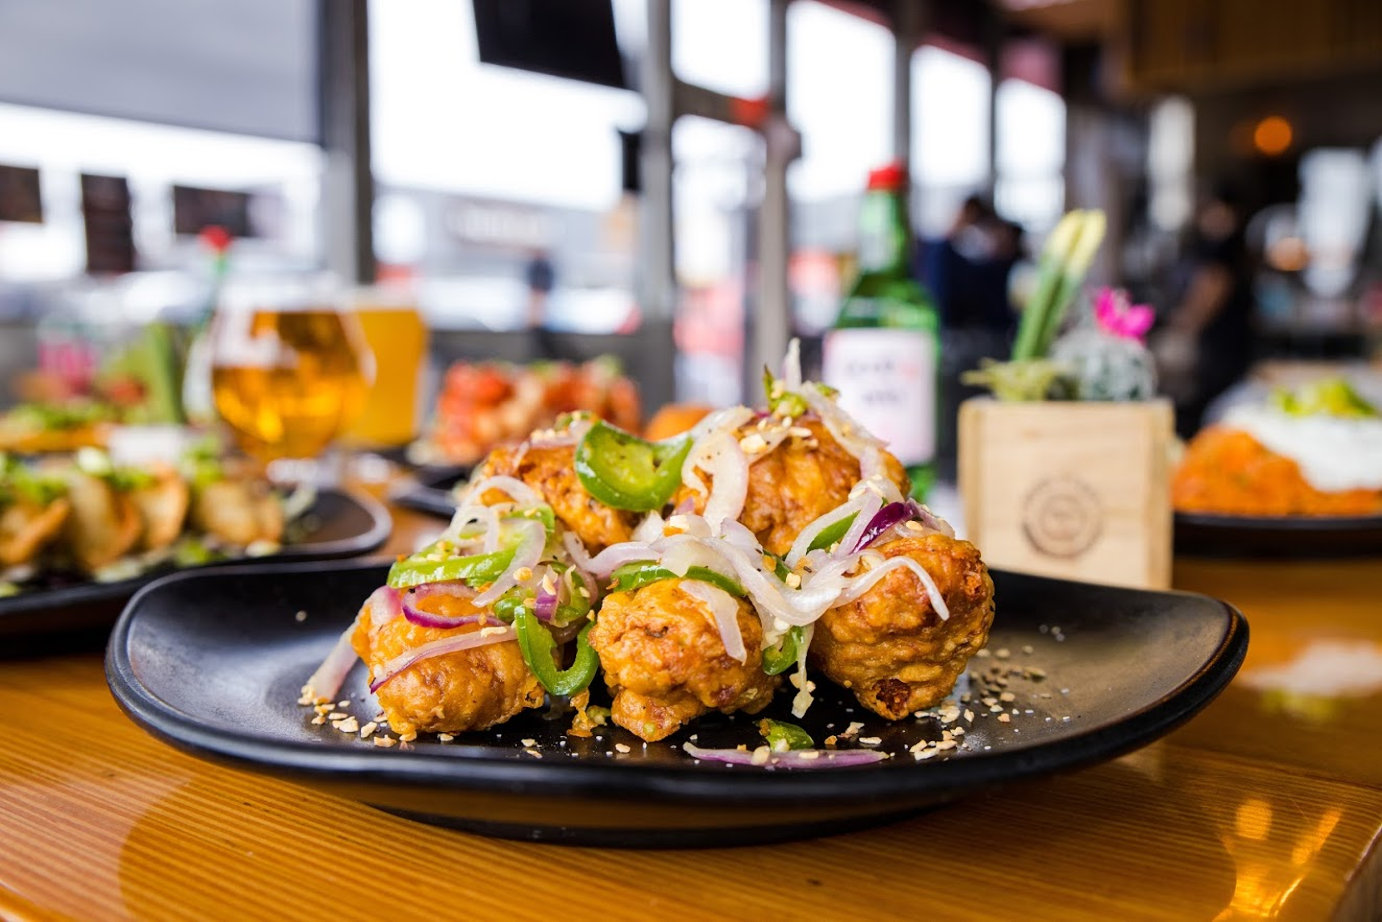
(890, 647)
(665, 663)
(162, 507)
(26, 527)
(103, 525)
(467, 690)
(238, 511)
(796, 483)
(552, 473)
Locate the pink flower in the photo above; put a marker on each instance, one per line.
(1115, 315)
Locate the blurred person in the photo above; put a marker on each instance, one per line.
(541, 277)
(1206, 345)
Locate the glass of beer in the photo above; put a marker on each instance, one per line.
(396, 333)
(289, 370)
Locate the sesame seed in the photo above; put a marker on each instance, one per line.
(528, 743)
(1004, 718)
(870, 740)
(793, 581)
(522, 574)
(300, 616)
(761, 755)
(1007, 696)
(534, 753)
(1002, 653)
(445, 737)
(368, 729)
(810, 754)
(343, 704)
(622, 747)
(492, 630)
(319, 720)
(337, 715)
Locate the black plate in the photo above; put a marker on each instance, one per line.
(1301, 537)
(347, 525)
(212, 662)
(432, 494)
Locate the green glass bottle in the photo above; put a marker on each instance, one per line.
(882, 353)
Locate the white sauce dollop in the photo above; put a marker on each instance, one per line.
(1334, 454)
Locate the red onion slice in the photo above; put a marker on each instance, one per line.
(890, 515)
(725, 610)
(422, 618)
(790, 759)
(330, 675)
(439, 648)
(546, 608)
(726, 421)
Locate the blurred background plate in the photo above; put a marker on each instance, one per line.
(212, 662)
(432, 494)
(80, 613)
(1299, 537)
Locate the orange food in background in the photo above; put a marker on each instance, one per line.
(674, 419)
(482, 405)
(1228, 472)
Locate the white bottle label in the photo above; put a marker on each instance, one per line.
(887, 381)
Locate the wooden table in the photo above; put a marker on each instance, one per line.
(1263, 807)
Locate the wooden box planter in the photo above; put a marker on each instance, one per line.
(1073, 490)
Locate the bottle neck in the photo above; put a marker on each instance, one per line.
(884, 233)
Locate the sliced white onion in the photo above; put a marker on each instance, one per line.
(331, 674)
(729, 469)
(650, 529)
(477, 523)
(725, 421)
(384, 605)
(532, 539)
(812, 531)
(791, 759)
(446, 645)
(611, 558)
(523, 494)
(868, 580)
(679, 553)
(802, 701)
(791, 366)
(724, 608)
(841, 425)
(738, 535)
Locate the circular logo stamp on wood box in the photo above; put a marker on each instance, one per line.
(1062, 516)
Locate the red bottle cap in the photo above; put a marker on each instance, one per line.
(891, 177)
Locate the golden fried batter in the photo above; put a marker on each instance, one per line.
(468, 690)
(103, 525)
(665, 663)
(25, 527)
(796, 484)
(552, 473)
(238, 511)
(890, 647)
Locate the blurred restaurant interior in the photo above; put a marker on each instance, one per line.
(395, 142)
(465, 296)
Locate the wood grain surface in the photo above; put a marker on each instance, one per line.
(1262, 807)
